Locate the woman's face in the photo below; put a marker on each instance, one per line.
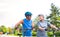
(41, 17)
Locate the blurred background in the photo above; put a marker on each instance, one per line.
(12, 11)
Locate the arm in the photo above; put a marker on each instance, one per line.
(20, 22)
(52, 26)
(42, 29)
(32, 24)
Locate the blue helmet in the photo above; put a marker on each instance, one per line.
(28, 14)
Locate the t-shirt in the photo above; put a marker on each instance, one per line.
(43, 24)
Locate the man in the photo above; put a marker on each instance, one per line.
(27, 25)
(42, 26)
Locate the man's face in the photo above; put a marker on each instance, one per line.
(41, 17)
(28, 17)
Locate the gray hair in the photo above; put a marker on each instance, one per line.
(40, 15)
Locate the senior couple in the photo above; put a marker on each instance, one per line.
(28, 25)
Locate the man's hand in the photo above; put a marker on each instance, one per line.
(53, 26)
(56, 28)
(33, 28)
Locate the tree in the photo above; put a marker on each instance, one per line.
(35, 22)
(54, 17)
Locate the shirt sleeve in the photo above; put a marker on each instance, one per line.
(48, 23)
(38, 24)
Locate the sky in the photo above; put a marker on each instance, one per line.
(12, 11)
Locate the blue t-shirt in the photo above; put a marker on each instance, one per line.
(43, 24)
(27, 26)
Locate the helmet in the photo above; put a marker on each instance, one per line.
(28, 14)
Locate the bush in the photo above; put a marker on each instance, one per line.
(50, 33)
(57, 33)
(34, 33)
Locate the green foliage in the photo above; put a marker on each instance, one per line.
(18, 31)
(54, 18)
(34, 33)
(35, 23)
(50, 33)
(55, 15)
(57, 33)
(0, 29)
(3, 29)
